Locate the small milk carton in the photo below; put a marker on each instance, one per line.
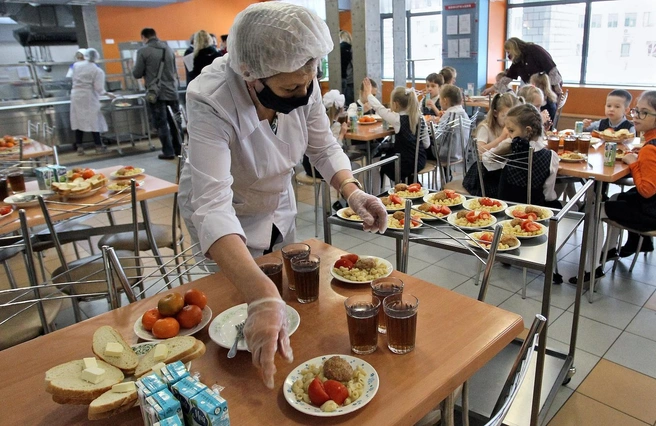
(184, 390)
(209, 409)
(173, 373)
(161, 405)
(44, 177)
(59, 172)
(170, 421)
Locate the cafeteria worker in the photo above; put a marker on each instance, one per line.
(253, 113)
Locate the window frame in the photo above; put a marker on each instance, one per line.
(621, 17)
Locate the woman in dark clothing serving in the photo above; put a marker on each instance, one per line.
(528, 59)
(204, 53)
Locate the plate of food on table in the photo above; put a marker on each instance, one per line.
(5, 211)
(524, 211)
(393, 203)
(446, 197)
(429, 211)
(127, 172)
(487, 204)
(331, 385)
(483, 239)
(348, 213)
(353, 269)
(610, 135)
(411, 191)
(572, 157)
(367, 119)
(523, 228)
(123, 185)
(397, 221)
(80, 183)
(472, 219)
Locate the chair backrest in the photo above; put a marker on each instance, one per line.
(521, 161)
(479, 165)
(176, 118)
(517, 373)
(562, 100)
(422, 130)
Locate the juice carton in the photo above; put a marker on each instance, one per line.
(59, 172)
(44, 177)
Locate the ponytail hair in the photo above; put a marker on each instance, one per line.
(541, 81)
(527, 115)
(499, 102)
(407, 100)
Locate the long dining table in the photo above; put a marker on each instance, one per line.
(456, 336)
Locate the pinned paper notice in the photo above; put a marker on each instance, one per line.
(464, 23)
(452, 51)
(189, 61)
(463, 48)
(452, 25)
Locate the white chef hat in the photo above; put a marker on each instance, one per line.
(333, 99)
(91, 55)
(274, 37)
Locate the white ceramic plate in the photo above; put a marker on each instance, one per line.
(338, 277)
(420, 194)
(137, 171)
(340, 213)
(452, 220)
(10, 212)
(367, 123)
(467, 205)
(74, 196)
(389, 226)
(573, 160)
(147, 335)
(525, 237)
(29, 197)
(114, 189)
(477, 235)
(377, 117)
(510, 209)
(369, 392)
(427, 217)
(428, 199)
(223, 332)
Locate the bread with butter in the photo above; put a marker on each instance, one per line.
(199, 351)
(179, 347)
(64, 383)
(127, 361)
(111, 403)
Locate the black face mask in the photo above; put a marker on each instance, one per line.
(284, 105)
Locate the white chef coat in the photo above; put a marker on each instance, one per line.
(237, 177)
(88, 85)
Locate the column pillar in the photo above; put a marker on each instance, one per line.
(367, 57)
(334, 57)
(87, 27)
(398, 42)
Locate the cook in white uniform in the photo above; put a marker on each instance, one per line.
(88, 86)
(252, 115)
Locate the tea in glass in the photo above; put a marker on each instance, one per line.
(272, 268)
(16, 180)
(306, 269)
(381, 288)
(289, 251)
(401, 311)
(570, 144)
(362, 318)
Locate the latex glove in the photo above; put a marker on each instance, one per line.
(370, 209)
(266, 333)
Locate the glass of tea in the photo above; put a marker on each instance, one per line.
(570, 144)
(289, 251)
(16, 180)
(306, 270)
(362, 317)
(381, 288)
(583, 142)
(272, 268)
(4, 187)
(553, 143)
(401, 311)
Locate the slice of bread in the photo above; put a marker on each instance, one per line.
(64, 382)
(179, 347)
(127, 361)
(198, 352)
(111, 403)
(81, 187)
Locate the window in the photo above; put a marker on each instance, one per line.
(602, 53)
(630, 19)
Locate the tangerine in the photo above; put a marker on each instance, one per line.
(196, 297)
(170, 304)
(149, 318)
(166, 328)
(190, 316)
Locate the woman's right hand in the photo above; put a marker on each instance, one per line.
(488, 91)
(266, 333)
(366, 87)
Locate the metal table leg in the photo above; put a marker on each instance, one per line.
(595, 223)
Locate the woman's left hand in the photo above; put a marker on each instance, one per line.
(630, 158)
(366, 87)
(370, 209)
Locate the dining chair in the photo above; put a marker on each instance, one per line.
(642, 234)
(430, 168)
(302, 178)
(447, 135)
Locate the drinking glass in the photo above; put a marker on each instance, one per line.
(4, 187)
(289, 251)
(553, 143)
(381, 288)
(583, 144)
(362, 318)
(306, 271)
(401, 311)
(272, 268)
(570, 144)
(16, 180)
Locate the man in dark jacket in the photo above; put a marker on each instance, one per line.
(149, 58)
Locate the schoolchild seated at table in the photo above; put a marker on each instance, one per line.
(430, 104)
(524, 126)
(617, 104)
(499, 84)
(449, 74)
(454, 121)
(542, 82)
(363, 102)
(405, 118)
(534, 96)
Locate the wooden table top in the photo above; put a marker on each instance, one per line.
(369, 132)
(152, 188)
(31, 150)
(456, 335)
(478, 103)
(594, 167)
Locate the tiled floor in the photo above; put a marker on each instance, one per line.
(615, 381)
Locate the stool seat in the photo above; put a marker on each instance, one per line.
(125, 240)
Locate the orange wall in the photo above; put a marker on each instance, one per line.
(496, 38)
(345, 22)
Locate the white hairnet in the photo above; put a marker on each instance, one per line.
(91, 55)
(82, 52)
(274, 37)
(333, 98)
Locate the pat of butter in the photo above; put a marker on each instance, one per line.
(124, 387)
(157, 368)
(92, 375)
(90, 362)
(161, 351)
(113, 349)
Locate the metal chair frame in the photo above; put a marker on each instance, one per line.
(562, 100)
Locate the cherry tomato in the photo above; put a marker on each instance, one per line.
(128, 168)
(396, 199)
(519, 214)
(486, 236)
(484, 215)
(435, 209)
(485, 201)
(317, 393)
(472, 216)
(350, 257)
(336, 391)
(4, 210)
(531, 216)
(345, 263)
(445, 210)
(530, 226)
(415, 187)
(451, 193)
